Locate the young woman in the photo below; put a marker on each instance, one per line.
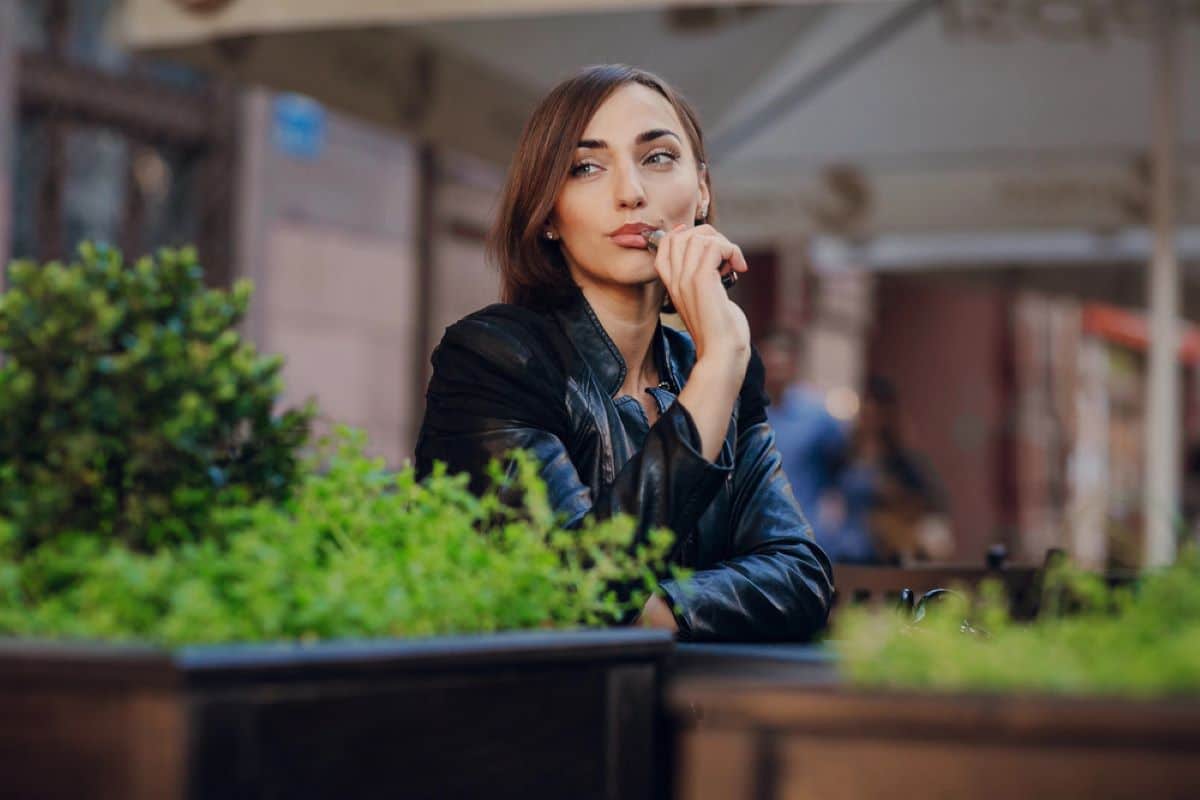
(623, 413)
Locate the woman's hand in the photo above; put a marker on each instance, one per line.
(687, 262)
(657, 614)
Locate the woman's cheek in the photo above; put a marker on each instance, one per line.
(572, 209)
(682, 208)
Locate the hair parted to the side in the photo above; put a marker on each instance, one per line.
(532, 269)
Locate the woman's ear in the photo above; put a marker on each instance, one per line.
(705, 194)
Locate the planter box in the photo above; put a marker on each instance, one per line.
(780, 738)
(571, 714)
(811, 663)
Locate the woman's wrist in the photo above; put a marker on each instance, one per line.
(657, 614)
(724, 364)
(708, 396)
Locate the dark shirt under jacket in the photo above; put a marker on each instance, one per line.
(511, 377)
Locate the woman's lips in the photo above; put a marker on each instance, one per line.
(632, 240)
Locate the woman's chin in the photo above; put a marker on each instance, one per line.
(641, 278)
(630, 269)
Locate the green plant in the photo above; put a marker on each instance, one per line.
(129, 405)
(356, 552)
(1087, 638)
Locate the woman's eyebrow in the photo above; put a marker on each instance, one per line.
(642, 138)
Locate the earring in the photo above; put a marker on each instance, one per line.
(550, 235)
(704, 213)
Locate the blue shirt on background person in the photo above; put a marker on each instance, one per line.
(812, 443)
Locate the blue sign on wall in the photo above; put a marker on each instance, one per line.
(299, 126)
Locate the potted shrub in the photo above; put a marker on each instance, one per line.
(1096, 698)
(196, 603)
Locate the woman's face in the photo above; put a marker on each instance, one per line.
(634, 168)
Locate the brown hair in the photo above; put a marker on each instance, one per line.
(533, 271)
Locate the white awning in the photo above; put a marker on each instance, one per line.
(159, 23)
(467, 72)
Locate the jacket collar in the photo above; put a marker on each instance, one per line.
(600, 353)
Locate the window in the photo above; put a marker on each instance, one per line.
(116, 148)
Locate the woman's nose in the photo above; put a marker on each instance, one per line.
(630, 193)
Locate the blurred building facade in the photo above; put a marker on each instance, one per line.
(363, 253)
(109, 147)
(341, 224)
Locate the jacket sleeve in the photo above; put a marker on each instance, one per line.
(778, 583)
(497, 386)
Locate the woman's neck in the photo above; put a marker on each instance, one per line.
(630, 320)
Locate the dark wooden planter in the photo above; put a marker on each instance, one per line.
(812, 663)
(562, 715)
(785, 739)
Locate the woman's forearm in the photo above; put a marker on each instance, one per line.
(711, 390)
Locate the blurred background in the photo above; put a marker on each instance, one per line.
(973, 225)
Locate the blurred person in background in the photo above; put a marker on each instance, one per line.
(811, 441)
(624, 414)
(895, 509)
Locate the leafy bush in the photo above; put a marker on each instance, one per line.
(129, 405)
(148, 491)
(1088, 639)
(356, 552)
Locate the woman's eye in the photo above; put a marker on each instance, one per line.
(581, 170)
(662, 157)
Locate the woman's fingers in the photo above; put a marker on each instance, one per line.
(692, 253)
(686, 253)
(739, 260)
(702, 298)
(678, 283)
(705, 261)
(691, 261)
(664, 263)
(701, 241)
(697, 258)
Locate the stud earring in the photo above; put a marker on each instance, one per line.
(550, 235)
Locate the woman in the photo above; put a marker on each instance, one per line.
(624, 414)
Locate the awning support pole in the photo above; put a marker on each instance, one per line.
(1161, 499)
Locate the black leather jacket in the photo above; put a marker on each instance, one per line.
(507, 377)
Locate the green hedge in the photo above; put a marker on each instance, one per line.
(357, 552)
(1088, 639)
(129, 404)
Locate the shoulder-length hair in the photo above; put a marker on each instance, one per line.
(533, 271)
